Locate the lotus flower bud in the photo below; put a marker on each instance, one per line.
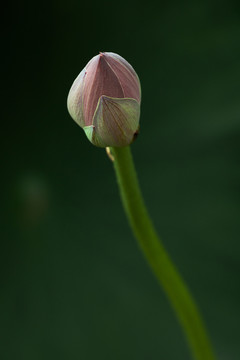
(105, 101)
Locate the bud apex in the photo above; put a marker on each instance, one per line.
(105, 101)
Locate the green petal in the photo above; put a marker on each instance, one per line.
(75, 99)
(116, 121)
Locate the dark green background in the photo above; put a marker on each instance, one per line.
(74, 285)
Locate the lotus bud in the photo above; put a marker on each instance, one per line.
(105, 101)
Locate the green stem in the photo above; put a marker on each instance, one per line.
(157, 257)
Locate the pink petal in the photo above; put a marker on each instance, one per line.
(126, 75)
(100, 80)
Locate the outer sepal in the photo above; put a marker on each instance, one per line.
(115, 122)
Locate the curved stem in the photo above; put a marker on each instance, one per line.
(157, 257)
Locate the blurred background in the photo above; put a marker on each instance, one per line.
(74, 285)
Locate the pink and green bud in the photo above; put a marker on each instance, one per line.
(105, 101)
